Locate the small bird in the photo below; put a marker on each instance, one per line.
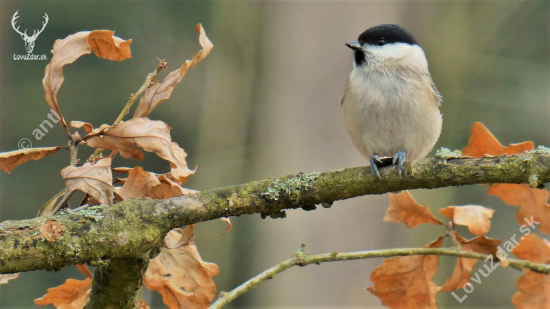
(390, 103)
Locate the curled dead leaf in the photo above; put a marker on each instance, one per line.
(48, 207)
(483, 142)
(403, 208)
(167, 189)
(406, 282)
(93, 179)
(180, 275)
(88, 128)
(229, 225)
(66, 51)
(149, 135)
(476, 218)
(138, 184)
(106, 45)
(160, 92)
(11, 159)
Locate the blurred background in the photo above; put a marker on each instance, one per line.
(266, 103)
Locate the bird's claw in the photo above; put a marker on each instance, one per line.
(399, 158)
(374, 159)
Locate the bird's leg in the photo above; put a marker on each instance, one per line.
(399, 158)
(374, 159)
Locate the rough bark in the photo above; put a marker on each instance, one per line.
(128, 229)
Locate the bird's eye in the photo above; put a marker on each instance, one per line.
(381, 42)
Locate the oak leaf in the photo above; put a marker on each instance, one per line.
(403, 208)
(180, 275)
(406, 282)
(138, 184)
(149, 135)
(533, 248)
(66, 51)
(11, 159)
(142, 304)
(94, 179)
(464, 266)
(483, 142)
(167, 188)
(533, 291)
(533, 203)
(476, 218)
(159, 92)
(73, 294)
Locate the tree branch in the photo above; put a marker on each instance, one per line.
(118, 284)
(302, 259)
(131, 227)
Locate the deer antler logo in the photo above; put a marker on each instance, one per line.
(29, 40)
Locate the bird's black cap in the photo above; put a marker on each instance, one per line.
(389, 33)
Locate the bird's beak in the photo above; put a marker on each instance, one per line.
(354, 45)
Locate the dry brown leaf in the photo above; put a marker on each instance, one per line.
(464, 266)
(66, 51)
(93, 179)
(533, 248)
(48, 207)
(107, 46)
(159, 92)
(73, 294)
(476, 218)
(461, 274)
(533, 291)
(138, 184)
(84, 269)
(167, 189)
(406, 282)
(180, 275)
(12, 159)
(480, 244)
(403, 208)
(4, 278)
(229, 225)
(150, 135)
(533, 203)
(142, 304)
(80, 124)
(483, 142)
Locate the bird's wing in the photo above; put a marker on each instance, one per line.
(345, 92)
(438, 96)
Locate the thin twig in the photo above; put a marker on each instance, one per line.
(144, 222)
(73, 148)
(302, 259)
(133, 97)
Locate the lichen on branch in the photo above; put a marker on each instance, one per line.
(131, 227)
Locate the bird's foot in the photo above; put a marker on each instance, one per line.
(399, 158)
(374, 161)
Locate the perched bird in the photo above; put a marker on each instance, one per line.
(390, 103)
